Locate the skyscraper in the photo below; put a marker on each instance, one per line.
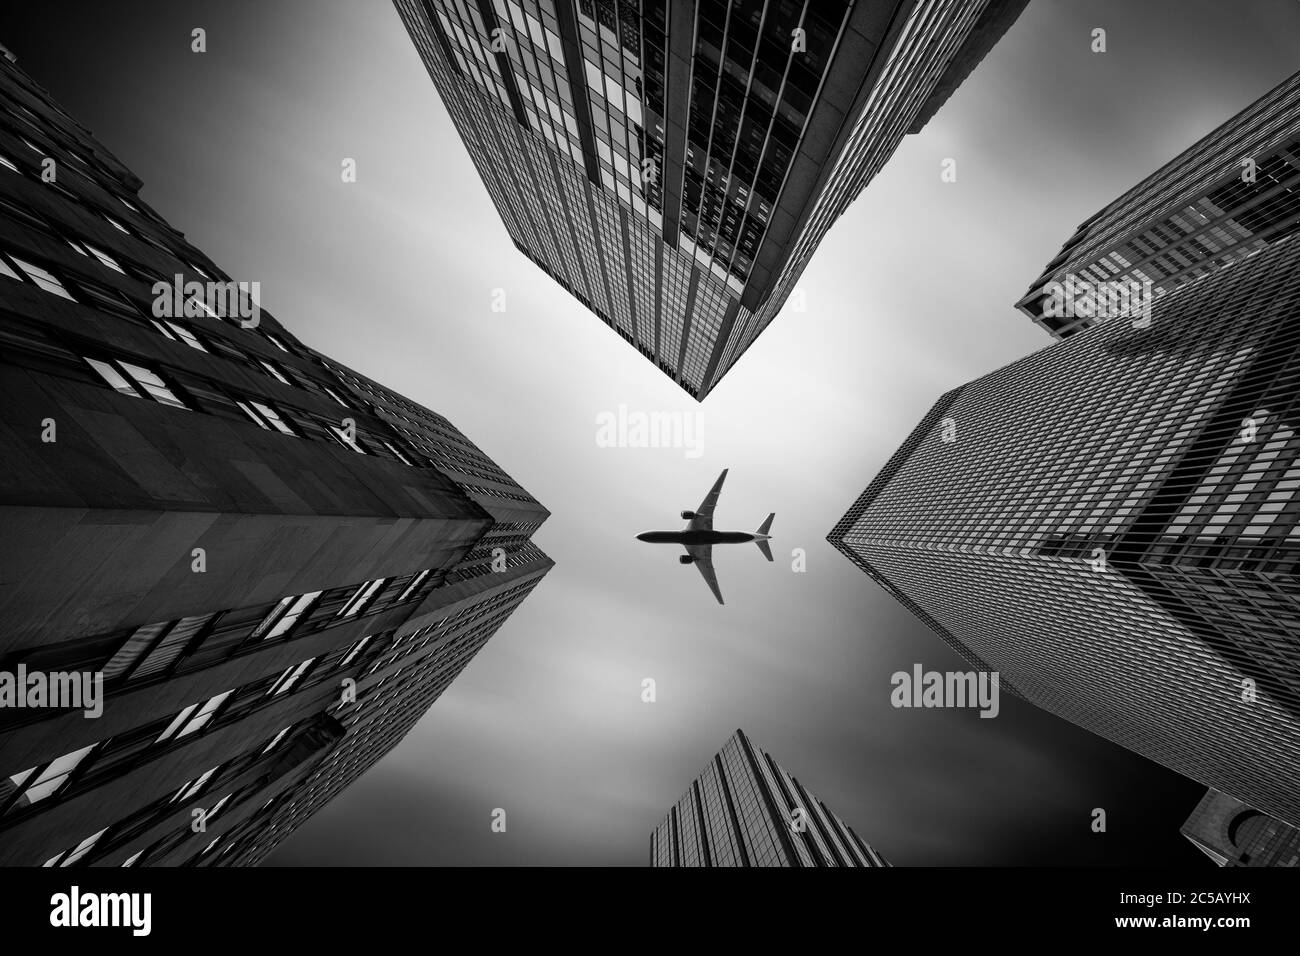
(675, 164)
(1111, 523)
(1232, 834)
(745, 810)
(1231, 193)
(269, 564)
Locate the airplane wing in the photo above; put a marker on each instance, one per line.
(703, 555)
(703, 520)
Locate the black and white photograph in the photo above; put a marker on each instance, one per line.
(604, 436)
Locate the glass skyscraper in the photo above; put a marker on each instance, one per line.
(675, 164)
(1113, 524)
(1228, 195)
(271, 564)
(745, 810)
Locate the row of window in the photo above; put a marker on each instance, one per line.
(145, 817)
(47, 278)
(86, 766)
(136, 379)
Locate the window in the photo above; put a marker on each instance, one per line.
(117, 225)
(178, 333)
(290, 677)
(7, 163)
(273, 370)
(192, 718)
(277, 343)
(53, 777)
(172, 646)
(362, 595)
(216, 808)
(105, 258)
(415, 582)
(198, 303)
(131, 860)
(266, 416)
(346, 438)
(114, 378)
(284, 615)
(135, 380)
(400, 457)
(131, 650)
(356, 649)
(191, 789)
(272, 745)
(43, 278)
(81, 849)
(170, 730)
(107, 299)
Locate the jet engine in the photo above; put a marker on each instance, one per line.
(688, 515)
(686, 559)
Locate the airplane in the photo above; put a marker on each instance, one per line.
(698, 537)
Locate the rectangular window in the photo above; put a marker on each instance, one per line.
(400, 457)
(152, 384)
(114, 378)
(284, 615)
(362, 595)
(170, 730)
(273, 370)
(82, 848)
(55, 775)
(291, 676)
(204, 715)
(356, 649)
(43, 278)
(216, 807)
(167, 650)
(275, 419)
(105, 258)
(178, 333)
(345, 438)
(192, 789)
(197, 302)
(274, 741)
(415, 583)
(266, 416)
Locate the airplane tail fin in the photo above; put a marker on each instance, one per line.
(761, 541)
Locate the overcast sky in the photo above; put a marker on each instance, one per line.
(910, 295)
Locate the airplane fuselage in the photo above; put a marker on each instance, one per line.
(696, 537)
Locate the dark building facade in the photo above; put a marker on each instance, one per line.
(674, 164)
(1113, 524)
(1227, 196)
(273, 564)
(745, 810)
(1233, 834)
